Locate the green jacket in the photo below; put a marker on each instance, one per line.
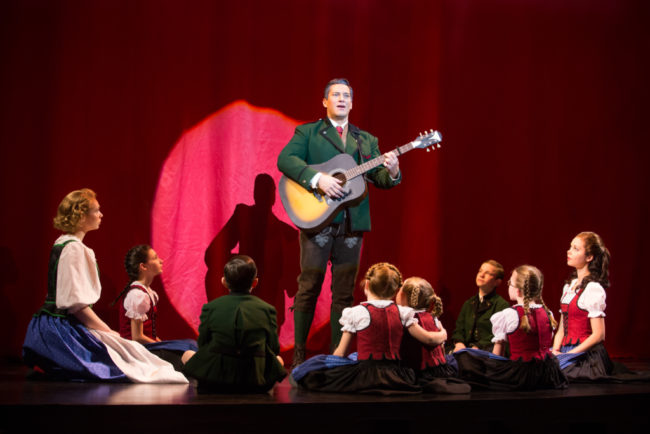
(473, 326)
(316, 143)
(238, 344)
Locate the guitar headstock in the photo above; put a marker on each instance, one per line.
(424, 140)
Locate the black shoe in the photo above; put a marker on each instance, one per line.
(298, 355)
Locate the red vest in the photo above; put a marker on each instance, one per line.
(535, 344)
(577, 326)
(417, 355)
(148, 326)
(382, 338)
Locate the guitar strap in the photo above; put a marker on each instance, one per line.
(354, 131)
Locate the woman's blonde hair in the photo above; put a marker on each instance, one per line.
(420, 295)
(72, 208)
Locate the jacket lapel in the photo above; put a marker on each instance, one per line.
(329, 133)
(357, 143)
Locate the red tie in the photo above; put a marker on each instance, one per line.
(340, 130)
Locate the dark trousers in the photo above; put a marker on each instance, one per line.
(316, 249)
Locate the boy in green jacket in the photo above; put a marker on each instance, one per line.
(238, 337)
(473, 326)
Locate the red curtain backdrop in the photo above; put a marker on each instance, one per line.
(542, 107)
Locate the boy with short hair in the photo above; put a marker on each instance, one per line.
(238, 338)
(473, 326)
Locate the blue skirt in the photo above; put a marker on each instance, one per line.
(64, 349)
(180, 345)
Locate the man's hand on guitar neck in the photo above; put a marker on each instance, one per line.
(392, 164)
(330, 186)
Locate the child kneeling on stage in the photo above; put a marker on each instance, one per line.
(238, 337)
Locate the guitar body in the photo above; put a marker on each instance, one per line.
(311, 211)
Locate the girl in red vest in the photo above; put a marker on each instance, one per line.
(378, 325)
(139, 310)
(433, 372)
(579, 342)
(527, 328)
(582, 329)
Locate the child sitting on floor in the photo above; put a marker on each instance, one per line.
(238, 337)
(433, 372)
(139, 311)
(473, 328)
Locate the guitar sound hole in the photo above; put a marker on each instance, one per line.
(340, 177)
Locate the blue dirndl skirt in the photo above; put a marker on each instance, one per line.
(64, 349)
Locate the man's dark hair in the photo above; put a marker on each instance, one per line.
(239, 273)
(337, 81)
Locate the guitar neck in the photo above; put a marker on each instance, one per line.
(369, 165)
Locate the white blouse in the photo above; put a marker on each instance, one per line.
(506, 321)
(137, 303)
(592, 298)
(357, 318)
(77, 278)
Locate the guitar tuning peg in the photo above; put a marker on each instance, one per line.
(431, 131)
(428, 149)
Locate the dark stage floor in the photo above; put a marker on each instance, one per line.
(28, 405)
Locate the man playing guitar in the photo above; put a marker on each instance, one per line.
(339, 241)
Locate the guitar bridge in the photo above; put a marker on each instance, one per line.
(330, 200)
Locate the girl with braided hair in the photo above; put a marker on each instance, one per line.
(433, 372)
(378, 325)
(139, 311)
(527, 328)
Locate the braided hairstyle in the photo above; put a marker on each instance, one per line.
(599, 265)
(531, 282)
(420, 295)
(72, 208)
(384, 280)
(134, 257)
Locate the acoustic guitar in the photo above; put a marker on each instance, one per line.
(312, 210)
